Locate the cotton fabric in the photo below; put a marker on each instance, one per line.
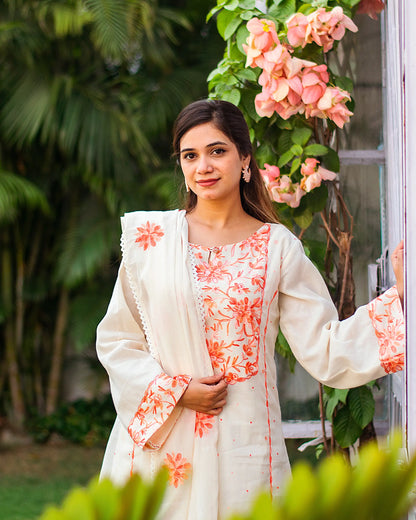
(181, 311)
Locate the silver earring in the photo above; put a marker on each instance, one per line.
(246, 174)
(187, 187)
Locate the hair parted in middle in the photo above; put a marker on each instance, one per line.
(230, 121)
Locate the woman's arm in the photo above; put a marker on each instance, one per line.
(144, 396)
(341, 354)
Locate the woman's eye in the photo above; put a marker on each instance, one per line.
(189, 155)
(218, 151)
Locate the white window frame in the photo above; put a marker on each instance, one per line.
(410, 216)
(400, 140)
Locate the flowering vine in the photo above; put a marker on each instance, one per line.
(291, 85)
(276, 69)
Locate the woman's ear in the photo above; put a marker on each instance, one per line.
(246, 161)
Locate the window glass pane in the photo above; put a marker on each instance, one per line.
(359, 58)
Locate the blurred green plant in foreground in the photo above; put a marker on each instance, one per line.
(380, 486)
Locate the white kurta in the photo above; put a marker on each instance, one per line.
(177, 314)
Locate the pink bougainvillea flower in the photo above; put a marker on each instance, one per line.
(291, 85)
(283, 190)
(264, 33)
(327, 26)
(314, 83)
(254, 55)
(298, 30)
(332, 105)
(275, 59)
(322, 27)
(265, 105)
(313, 174)
(270, 173)
(371, 7)
(281, 88)
(148, 235)
(309, 166)
(286, 110)
(294, 66)
(262, 37)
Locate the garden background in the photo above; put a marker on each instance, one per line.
(89, 91)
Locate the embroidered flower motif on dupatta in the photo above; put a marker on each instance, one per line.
(149, 235)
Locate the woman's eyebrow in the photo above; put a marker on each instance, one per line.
(210, 145)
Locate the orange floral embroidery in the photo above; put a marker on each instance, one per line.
(211, 272)
(157, 404)
(233, 284)
(203, 423)
(386, 315)
(149, 235)
(178, 467)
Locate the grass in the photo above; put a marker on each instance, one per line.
(35, 476)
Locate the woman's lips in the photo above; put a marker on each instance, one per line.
(207, 182)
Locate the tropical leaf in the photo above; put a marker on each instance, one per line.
(110, 30)
(87, 247)
(17, 192)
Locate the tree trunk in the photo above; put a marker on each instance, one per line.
(58, 352)
(18, 406)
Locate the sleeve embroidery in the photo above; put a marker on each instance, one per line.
(387, 318)
(158, 402)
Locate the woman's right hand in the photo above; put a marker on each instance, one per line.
(206, 395)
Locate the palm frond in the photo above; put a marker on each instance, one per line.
(87, 247)
(86, 310)
(110, 31)
(16, 193)
(25, 111)
(67, 19)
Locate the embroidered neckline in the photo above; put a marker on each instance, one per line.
(258, 231)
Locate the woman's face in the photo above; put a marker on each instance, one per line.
(211, 163)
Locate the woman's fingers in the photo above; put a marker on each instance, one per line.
(207, 395)
(397, 260)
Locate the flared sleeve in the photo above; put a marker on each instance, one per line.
(144, 396)
(340, 354)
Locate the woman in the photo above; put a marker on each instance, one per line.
(188, 338)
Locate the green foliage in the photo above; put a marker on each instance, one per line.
(379, 487)
(284, 143)
(16, 193)
(89, 90)
(102, 500)
(350, 411)
(86, 422)
(288, 144)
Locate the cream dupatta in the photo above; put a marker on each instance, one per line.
(159, 271)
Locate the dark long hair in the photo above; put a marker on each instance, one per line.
(230, 121)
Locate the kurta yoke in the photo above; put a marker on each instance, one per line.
(180, 311)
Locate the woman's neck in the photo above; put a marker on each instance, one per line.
(217, 215)
(211, 224)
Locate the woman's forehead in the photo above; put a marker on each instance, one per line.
(203, 135)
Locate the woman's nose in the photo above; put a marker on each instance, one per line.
(204, 165)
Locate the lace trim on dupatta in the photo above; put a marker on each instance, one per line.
(146, 328)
